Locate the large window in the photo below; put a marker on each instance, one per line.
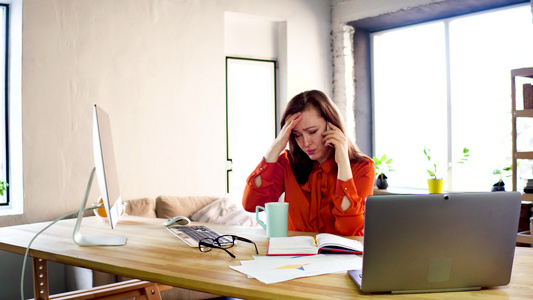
(11, 105)
(445, 85)
(4, 199)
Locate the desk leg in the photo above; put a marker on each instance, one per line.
(40, 279)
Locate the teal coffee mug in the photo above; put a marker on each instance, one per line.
(277, 218)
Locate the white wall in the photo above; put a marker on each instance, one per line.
(157, 67)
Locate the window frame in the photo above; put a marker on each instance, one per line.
(364, 27)
(13, 112)
(451, 117)
(228, 59)
(5, 104)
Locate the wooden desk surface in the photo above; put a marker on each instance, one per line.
(152, 253)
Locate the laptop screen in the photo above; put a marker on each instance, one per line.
(439, 241)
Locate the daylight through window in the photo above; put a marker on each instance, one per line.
(3, 103)
(445, 85)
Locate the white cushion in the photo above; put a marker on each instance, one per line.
(224, 211)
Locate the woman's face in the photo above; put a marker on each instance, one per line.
(308, 135)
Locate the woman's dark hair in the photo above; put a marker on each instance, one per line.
(301, 164)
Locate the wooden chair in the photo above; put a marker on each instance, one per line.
(135, 288)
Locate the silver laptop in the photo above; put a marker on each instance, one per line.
(438, 242)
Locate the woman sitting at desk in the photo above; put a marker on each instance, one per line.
(326, 179)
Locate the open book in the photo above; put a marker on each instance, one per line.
(309, 245)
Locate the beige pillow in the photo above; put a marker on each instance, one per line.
(171, 206)
(144, 207)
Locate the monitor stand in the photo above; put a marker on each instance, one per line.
(93, 240)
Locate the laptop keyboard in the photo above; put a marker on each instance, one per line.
(192, 234)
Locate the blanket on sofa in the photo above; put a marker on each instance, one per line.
(217, 210)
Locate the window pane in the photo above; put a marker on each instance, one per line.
(251, 118)
(3, 135)
(410, 100)
(481, 91)
(11, 67)
(410, 97)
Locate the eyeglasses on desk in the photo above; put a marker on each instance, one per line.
(223, 242)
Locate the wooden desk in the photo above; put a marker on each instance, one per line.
(154, 254)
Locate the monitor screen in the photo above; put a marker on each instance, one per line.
(105, 169)
(104, 162)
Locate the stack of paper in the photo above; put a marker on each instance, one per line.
(268, 269)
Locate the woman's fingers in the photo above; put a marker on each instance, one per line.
(295, 119)
(334, 136)
(292, 121)
(283, 137)
(329, 135)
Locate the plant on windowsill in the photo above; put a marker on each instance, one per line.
(3, 187)
(383, 165)
(436, 184)
(499, 186)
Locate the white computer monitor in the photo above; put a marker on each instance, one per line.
(104, 162)
(106, 172)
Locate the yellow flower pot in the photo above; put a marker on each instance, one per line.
(435, 186)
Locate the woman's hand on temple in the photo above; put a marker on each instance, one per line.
(283, 138)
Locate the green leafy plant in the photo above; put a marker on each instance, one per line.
(3, 187)
(433, 170)
(383, 165)
(500, 173)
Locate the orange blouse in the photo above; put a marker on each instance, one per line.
(314, 206)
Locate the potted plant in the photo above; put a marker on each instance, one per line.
(436, 184)
(499, 186)
(383, 165)
(3, 187)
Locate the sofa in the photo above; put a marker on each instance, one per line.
(208, 209)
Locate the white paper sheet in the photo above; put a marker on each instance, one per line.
(272, 269)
